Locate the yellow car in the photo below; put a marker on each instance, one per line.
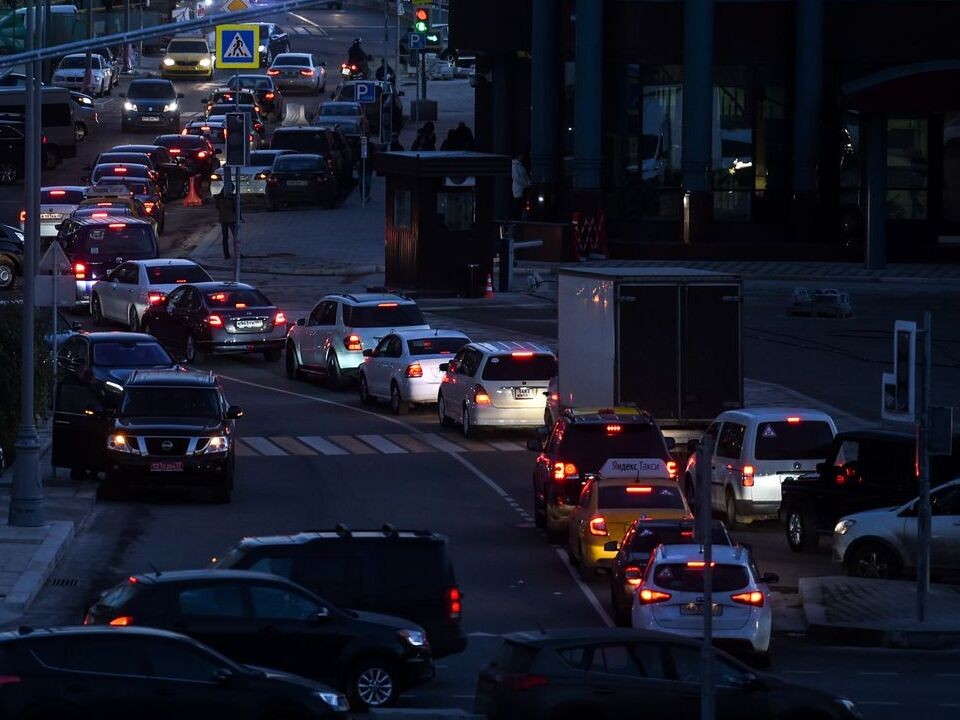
(187, 56)
(624, 490)
(108, 198)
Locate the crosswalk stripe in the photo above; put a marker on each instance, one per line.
(440, 443)
(263, 446)
(408, 442)
(352, 444)
(472, 445)
(244, 450)
(506, 445)
(292, 446)
(382, 444)
(321, 445)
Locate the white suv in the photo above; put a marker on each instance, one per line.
(756, 449)
(670, 596)
(340, 327)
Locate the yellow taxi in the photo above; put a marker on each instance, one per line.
(187, 55)
(109, 197)
(623, 490)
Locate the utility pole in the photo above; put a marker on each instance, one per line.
(923, 468)
(88, 73)
(705, 531)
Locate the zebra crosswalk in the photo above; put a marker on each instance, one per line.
(368, 444)
(302, 30)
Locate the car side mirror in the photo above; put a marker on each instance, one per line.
(443, 367)
(322, 614)
(769, 578)
(234, 412)
(368, 352)
(223, 675)
(533, 443)
(333, 93)
(217, 151)
(58, 226)
(203, 101)
(401, 94)
(76, 325)
(671, 442)
(85, 179)
(322, 64)
(180, 96)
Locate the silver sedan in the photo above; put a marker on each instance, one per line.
(253, 177)
(298, 72)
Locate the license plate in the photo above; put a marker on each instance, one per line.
(166, 467)
(249, 324)
(693, 608)
(523, 393)
(297, 183)
(150, 118)
(50, 216)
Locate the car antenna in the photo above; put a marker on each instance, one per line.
(154, 568)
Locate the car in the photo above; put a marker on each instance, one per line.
(387, 103)
(174, 177)
(71, 72)
(125, 293)
(114, 60)
(495, 383)
(301, 178)
(268, 95)
(670, 597)
(217, 317)
(624, 489)
(347, 128)
(298, 72)
(122, 170)
(273, 41)
(611, 672)
(404, 367)
(331, 340)
(11, 255)
(151, 103)
(266, 620)
(573, 450)
(187, 56)
(368, 570)
(144, 189)
(253, 177)
(86, 114)
(864, 470)
(256, 124)
(105, 671)
(883, 543)
(755, 450)
(214, 129)
(342, 109)
(12, 151)
(226, 96)
(318, 141)
(116, 200)
(56, 203)
(162, 175)
(640, 539)
(96, 245)
(195, 153)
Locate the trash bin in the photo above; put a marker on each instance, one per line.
(472, 281)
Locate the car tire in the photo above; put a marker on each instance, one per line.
(109, 490)
(730, 510)
(398, 406)
(96, 310)
(762, 660)
(365, 397)
(133, 320)
(191, 351)
(7, 274)
(79, 131)
(373, 683)
(621, 617)
(334, 376)
(466, 424)
(801, 529)
(8, 173)
(272, 355)
(291, 362)
(874, 561)
(445, 421)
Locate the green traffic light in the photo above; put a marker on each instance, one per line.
(420, 26)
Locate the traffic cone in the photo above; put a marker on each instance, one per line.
(488, 290)
(193, 198)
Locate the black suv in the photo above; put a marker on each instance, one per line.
(267, 620)
(865, 469)
(396, 572)
(150, 103)
(172, 428)
(318, 141)
(116, 672)
(574, 449)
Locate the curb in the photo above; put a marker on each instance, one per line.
(44, 559)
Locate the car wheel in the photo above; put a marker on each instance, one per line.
(467, 424)
(730, 510)
(7, 275)
(8, 173)
(133, 320)
(621, 617)
(365, 397)
(272, 355)
(334, 376)
(79, 131)
(442, 412)
(291, 362)
(398, 406)
(801, 529)
(96, 311)
(191, 351)
(373, 683)
(873, 560)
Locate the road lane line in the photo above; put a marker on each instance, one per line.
(308, 21)
(409, 443)
(876, 672)
(591, 598)
(441, 443)
(382, 444)
(321, 445)
(505, 445)
(348, 442)
(263, 446)
(292, 446)
(471, 445)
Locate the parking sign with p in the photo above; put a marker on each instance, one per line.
(366, 92)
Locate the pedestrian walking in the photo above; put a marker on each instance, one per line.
(521, 181)
(227, 213)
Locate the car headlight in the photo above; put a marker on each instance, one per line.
(118, 442)
(850, 707)
(416, 638)
(84, 100)
(170, 107)
(216, 444)
(205, 62)
(334, 699)
(843, 526)
(168, 61)
(262, 48)
(129, 106)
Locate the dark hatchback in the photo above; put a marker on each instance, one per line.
(122, 673)
(613, 673)
(317, 141)
(268, 95)
(175, 177)
(267, 620)
(193, 152)
(218, 317)
(405, 573)
(303, 179)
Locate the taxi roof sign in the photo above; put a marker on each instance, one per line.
(634, 468)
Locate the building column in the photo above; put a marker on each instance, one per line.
(545, 71)
(504, 66)
(874, 129)
(808, 94)
(588, 99)
(697, 130)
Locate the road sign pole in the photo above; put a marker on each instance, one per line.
(923, 467)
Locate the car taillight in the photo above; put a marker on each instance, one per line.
(414, 370)
(793, 419)
(9, 679)
(122, 621)
(307, 73)
(155, 297)
(176, 151)
(563, 470)
(633, 575)
(598, 526)
(80, 270)
(747, 474)
(148, 206)
(273, 73)
(23, 216)
(61, 193)
(269, 96)
(353, 343)
(672, 469)
(280, 318)
(525, 681)
(754, 598)
(214, 321)
(648, 596)
(201, 154)
(480, 396)
(258, 126)
(454, 605)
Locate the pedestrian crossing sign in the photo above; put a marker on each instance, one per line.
(238, 47)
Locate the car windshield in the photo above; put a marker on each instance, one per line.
(78, 62)
(793, 440)
(136, 187)
(262, 158)
(535, 366)
(107, 241)
(590, 445)
(130, 354)
(297, 163)
(347, 127)
(339, 109)
(288, 59)
(645, 539)
(681, 577)
(257, 82)
(308, 142)
(638, 495)
(58, 196)
(216, 133)
(194, 402)
(151, 91)
(435, 345)
(390, 315)
(188, 46)
(236, 298)
(176, 274)
(107, 170)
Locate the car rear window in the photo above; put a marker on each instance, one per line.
(645, 539)
(683, 578)
(638, 495)
(287, 59)
(130, 353)
(187, 46)
(217, 133)
(306, 142)
(137, 188)
(236, 298)
(58, 196)
(260, 83)
(170, 402)
(347, 127)
(435, 345)
(514, 657)
(298, 163)
(538, 366)
(171, 274)
(784, 440)
(115, 238)
(392, 315)
(338, 109)
(190, 142)
(119, 596)
(590, 445)
(151, 91)
(263, 158)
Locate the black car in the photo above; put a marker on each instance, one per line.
(865, 469)
(268, 95)
(348, 127)
(301, 179)
(150, 103)
(273, 41)
(267, 620)
(171, 428)
(317, 141)
(193, 152)
(227, 96)
(405, 573)
(12, 151)
(176, 178)
(130, 158)
(639, 540)
(116, 673)
(610, 673)
(11, 255)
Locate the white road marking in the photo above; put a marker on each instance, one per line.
(441, 443)
(505, 445)
(322, 446)
(591, 597)
(382, 444)
(263, 446)
(308, 21)
(877, 672)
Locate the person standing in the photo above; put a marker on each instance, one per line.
(521, 181)
(227, 213)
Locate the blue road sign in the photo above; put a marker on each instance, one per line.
(366, 92)
(237, 46)
(417, 41)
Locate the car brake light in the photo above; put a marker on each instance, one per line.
(598, 526)
(148, 206)
(214, 321)
(307, 73)
(353, 343)
(117, 226)
(202, 154)
(80, 270)
(454, 605)
(176, 151)
(155, 297)
(98, 215)
(240, 306)
(122, 621)
(747, 473)
(387, 305)
(686, 533)
(279, 318)
(793, 420)
(648, 596)
(699, 564)
(119, 170)
(9, 679)
(273, 73)
(614, 428)
(258, 126)
(23, 216)
(269, 96)
(521, 354)
(480, 396)
(632, 575)
(562, 470)
(672, 469)
(104, 204)
(754, 597)
(414, 370)
(524, 682)
(639, 489)
(58, 193)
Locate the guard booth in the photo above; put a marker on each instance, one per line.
(440, 232)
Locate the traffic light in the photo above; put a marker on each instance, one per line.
(238, 146)
(421, 20)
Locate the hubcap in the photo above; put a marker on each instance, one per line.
(795, 528)
(7, 173)
(374, 686)
(873, 564)
(5, 275)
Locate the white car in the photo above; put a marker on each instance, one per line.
(498, 383)
(341, 326)
(253, 177)
(126, 292)
(883, 543)
(404, 367)
(56, 204)
(71, 73)
(670, 596)
(754, 451)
